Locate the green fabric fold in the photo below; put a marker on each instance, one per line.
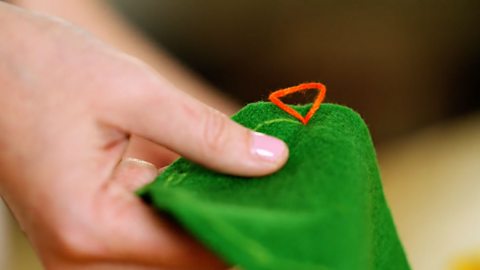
(325, 209)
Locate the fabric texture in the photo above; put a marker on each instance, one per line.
(325, 209)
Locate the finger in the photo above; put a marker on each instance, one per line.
(140, 236)
(143, 149)
(169, 117)
(132, 173)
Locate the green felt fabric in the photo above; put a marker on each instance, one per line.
(324, 210)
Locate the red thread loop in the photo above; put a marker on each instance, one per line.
(275, 99)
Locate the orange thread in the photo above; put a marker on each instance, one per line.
(275, 99)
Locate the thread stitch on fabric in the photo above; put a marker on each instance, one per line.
(277, 120)
(174, 179)
(275, 99)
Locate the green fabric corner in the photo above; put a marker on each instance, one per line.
(325, 209)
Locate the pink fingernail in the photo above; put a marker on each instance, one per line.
(266, 147)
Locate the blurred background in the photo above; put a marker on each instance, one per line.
(410, 68)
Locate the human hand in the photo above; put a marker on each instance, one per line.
(68, 109)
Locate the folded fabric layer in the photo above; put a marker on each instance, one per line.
(324, 210)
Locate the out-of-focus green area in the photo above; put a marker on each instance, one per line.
(16, 252)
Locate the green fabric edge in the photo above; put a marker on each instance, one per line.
(195, 220)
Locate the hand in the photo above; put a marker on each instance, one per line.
(69, 107)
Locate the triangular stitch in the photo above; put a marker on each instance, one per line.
(275, 99)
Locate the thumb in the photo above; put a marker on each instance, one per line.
(132, 173)
(135, 234)
(175, 120)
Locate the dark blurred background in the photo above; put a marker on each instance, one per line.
(401, 64)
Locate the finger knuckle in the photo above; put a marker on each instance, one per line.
(215, 132)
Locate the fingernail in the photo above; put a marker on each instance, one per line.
(267, 147)
(135, 173)
(136, 161)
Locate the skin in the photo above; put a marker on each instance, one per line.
(69, 108)
(106, 24)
